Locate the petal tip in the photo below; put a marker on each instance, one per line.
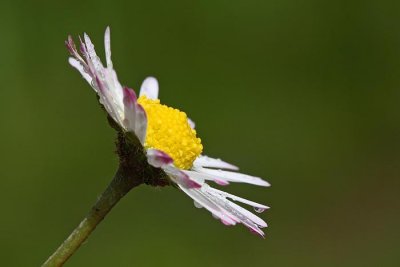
(149, 88)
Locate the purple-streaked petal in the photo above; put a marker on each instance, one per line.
(129, 97)
(230, 176)
(82, 48)
(129, 109)
(158, 158)
(135, 119)
(107, 47)
(77, 65)
(181, 178)
(100, 85)
(208, 162)
(149, 88)
(140, 123)
(72, 48)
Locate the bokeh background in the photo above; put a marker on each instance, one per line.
(303, 93)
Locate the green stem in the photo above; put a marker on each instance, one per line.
(118, 187)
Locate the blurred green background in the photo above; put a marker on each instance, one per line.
(303, 93)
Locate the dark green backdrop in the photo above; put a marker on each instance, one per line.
(303, 93)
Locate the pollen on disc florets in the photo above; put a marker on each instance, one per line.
(169, 131)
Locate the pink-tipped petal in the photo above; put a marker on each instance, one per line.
(186, 181)
(256, 232)
(149, 88)
(71, 46)
(221, 182)
(225, 222)
(239, 199)
(220, 207)
(82, 48)
(181, 178)
(158, 158)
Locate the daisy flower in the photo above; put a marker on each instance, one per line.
(168, 137)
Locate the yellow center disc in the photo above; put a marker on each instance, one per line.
(168, 130)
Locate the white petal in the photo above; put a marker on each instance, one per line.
(205, 176)
(230, 176)
(236, 198)
(107, 47)
(111, 95)
(158, 158)
(204, 161)
(203, 200)
(95, 60)
(77, 65)
(191, 123)
(260, 222)
(229, 212)
(149, 88)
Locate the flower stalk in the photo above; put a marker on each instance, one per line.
(133, 171)
(118, 187)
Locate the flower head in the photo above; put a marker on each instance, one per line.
(168, 137)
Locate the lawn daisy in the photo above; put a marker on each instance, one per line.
(168, 137)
